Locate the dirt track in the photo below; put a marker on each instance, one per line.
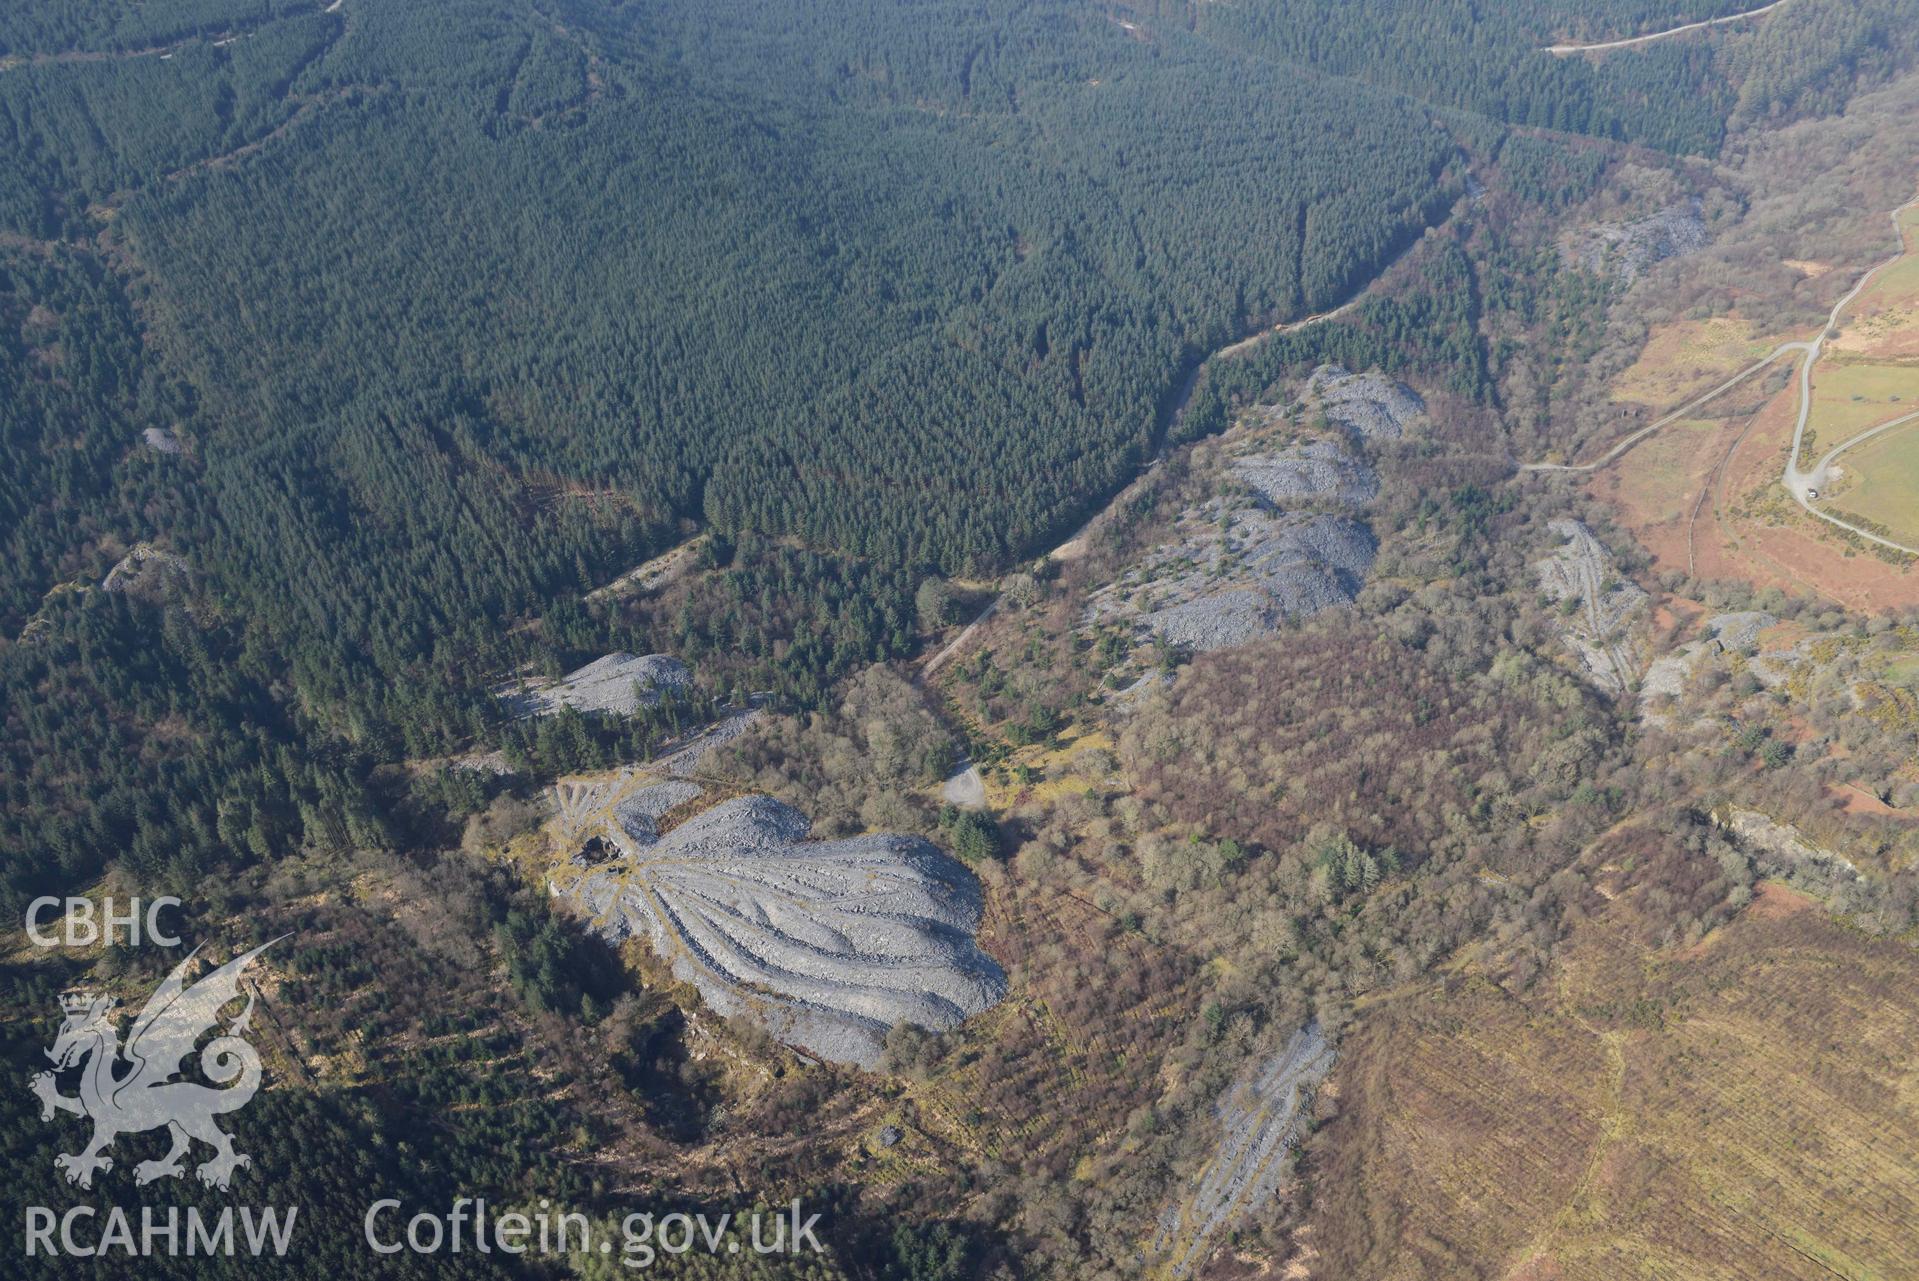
(1729, 466)
(1804, 484)
(1800, 484)
(1567, 50)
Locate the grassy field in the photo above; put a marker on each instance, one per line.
(1743, 1107)
(1900, 282)
(1885, 323)
(1885, 487)
(1666, 471)
(1871, 375)
(1890, 305)
(1849, 397)
(1686, 356)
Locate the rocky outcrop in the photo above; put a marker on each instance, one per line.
(697, 752)
(825, 944)
(1624, 250)
(148, 574)
(1222, 587)
(1667, 675)
(1125, 700)
(1785, 848)
(1313, 471)
(1283, 541)
(1740, 630)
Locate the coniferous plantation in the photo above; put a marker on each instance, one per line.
(458, 314)
(367, 368)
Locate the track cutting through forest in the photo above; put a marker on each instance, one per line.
(1567, 50)
(1235, 348)
(1802, 485)
(1666, 420)
(218, 40)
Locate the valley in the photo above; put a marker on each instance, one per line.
(1191, 641)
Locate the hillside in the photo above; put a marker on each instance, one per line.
(1094, 640)
(1685, 1107)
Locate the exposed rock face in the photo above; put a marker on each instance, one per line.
(1605, 605)
(161, 440)
(1260, 1117)
(148, 573)
(1787, 845)
(826, 944)
(1371, 406)
(964, 788)
(1624, 250)
(636, 817)
(656, 573)
(1310, 471)
(1217, 588)
(1126, 700)
(477, 762)
(1288, 545)
(618, 683)
(1740, 631)
(1666, 677)
(699, 749)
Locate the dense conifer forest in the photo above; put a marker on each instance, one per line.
(396, 330)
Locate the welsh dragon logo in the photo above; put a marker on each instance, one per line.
(131, 1088)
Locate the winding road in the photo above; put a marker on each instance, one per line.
(1804, 483)
(1801, 484)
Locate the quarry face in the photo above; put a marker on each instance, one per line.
(1602, 609)
(618, 683)
(1285, 538)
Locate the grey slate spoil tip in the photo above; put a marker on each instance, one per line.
(825, 944)
(1370, 405)
(618, 683)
